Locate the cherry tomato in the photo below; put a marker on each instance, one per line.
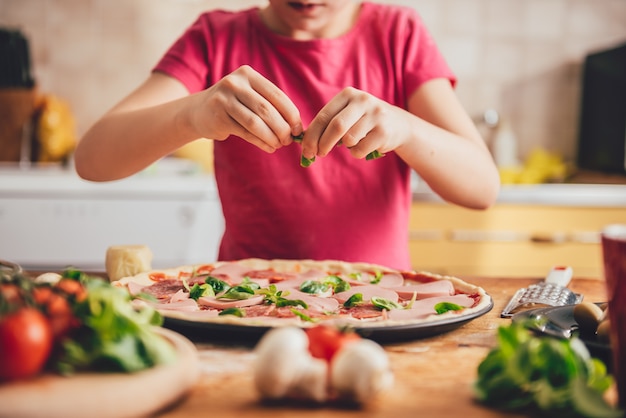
(25, 343)
(72, 288)
(57, 309)
(325, 341)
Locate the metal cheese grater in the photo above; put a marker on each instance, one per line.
(552, 291)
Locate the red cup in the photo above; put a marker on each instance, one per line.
(614, 254)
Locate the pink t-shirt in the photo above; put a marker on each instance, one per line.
(339, 207)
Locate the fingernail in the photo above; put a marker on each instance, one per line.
(298, 138)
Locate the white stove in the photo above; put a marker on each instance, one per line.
(52, 219)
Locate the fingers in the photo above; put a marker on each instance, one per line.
(353, 119)
(256, 110)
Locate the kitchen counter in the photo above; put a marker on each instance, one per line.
(585, 189)
(51, 218)
(433, 376)
(552, 194)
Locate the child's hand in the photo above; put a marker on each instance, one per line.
(365, 124)
(246, 104)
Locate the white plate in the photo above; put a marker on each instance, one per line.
(104, 395)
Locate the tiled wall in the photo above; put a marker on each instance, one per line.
(521, 57)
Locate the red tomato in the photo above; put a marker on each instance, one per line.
(325, 341)
(204, 269)
(25, 343)
(57, 308)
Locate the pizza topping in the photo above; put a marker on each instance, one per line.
(367, 293)
(219, 286)
(245, 290)
(443, 307)
(311, 291)
(200, 290)
(316, 287)
(233, 311)
(213, 302)
(425, 290)
(354, 300)
(385, 304)
(426, 307)
(278, 297)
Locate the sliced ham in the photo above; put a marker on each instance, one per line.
(295, 282)
(367, 291)
(235, 272)
(213, 302)
(135, 288)
(186, 305)
(386, 280)
(426, 290)
(315, 303)
(425, 307)
(201, 314)
(179, 296)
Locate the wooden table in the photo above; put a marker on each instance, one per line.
(433, 376)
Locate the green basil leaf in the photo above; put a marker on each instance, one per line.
(443, 307)
(337, 283)
(313, 287)
(306, 162)
(377, 277)
(385, 304)
(200, 290)
(219, 286)
(374, 155)
(302, 315)
(354, 300)
(233, 311)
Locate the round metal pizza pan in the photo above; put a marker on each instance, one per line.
(250, 334)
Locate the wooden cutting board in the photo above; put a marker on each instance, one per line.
(104, 395)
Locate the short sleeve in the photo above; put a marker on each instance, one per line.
(422, 59)
(187, 59)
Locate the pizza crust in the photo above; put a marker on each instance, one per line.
(328, 266)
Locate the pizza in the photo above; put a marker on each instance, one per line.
(271, 293)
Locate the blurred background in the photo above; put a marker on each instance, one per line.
(520, 57)
(524, 75)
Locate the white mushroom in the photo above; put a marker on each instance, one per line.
(285, 368)
(360, 371)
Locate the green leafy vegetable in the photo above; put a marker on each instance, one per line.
(233, 311)
(306, 162)
(219, 286)
(385, 304)
(552, 376)
(302, 315)
(314, 287)
(297, 138)
(277, 297)
(374, 155)
(337, 283)
(377, 277)
(244, 290)
(114, 335)
(443, 307)
(200, 290)
(354, 300)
